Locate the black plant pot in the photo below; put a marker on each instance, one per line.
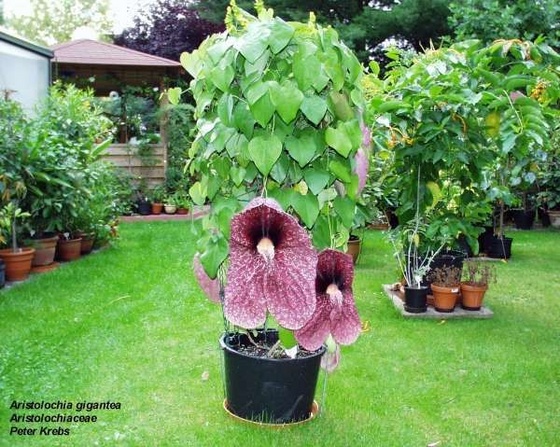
(268, 390)
(415, 299)
(144, 207)
(500, 248)
(485, 239)
(524, 219)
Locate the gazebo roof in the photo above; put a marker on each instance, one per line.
(107, 67)
(91, 52)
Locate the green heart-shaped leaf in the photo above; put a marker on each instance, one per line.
(339, 140)
(262, 110)
(316, 179)
(307, 208)
(340, 170)
(286, 98)
(345, 208)
(303, 147)
(264, 150)
(222, 77)
(198, 193)
(254, 42)
(314, 108)
(280, 35)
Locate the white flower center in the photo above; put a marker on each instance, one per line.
(265, 247)
(335, 295)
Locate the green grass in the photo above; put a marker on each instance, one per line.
(129, 325)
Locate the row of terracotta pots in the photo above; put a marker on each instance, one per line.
(42, 253)
(445, 299)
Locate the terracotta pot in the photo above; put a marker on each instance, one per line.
(354, 248)
(17, 264)
(472, 296)
(182, 210)
(86, 244)
(45, 250)
(69, 249)
(445, 298)
(157, 208)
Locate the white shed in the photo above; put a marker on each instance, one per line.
(25, 70)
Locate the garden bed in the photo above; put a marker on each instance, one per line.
(397, 298)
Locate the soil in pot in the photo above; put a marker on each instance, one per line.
(17, 264)
(415, 299)
(267, 389)
(445, 298)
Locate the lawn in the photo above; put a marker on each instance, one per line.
(129, 326)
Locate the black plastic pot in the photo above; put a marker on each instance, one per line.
(524, 219)
(485, 239)
(2, 274)
(500, 248)
(415, 299)
(268, 390)
(144, 207)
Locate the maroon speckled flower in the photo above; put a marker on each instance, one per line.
(210, 286)
(336, 312)
(272, 267)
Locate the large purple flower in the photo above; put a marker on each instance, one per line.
(272, 267)
(336, 312)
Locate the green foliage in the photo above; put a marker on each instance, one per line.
(489, 20)
(474, 120)
(277, 114)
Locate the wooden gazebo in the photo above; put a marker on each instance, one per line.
(109, 68)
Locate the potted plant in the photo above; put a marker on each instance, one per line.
(445, 285)
(476, 277)
(17, 259)
(278, 132)
(274, 273)
(170, 204)
(157, 195)
(414, 262)
(182, 201)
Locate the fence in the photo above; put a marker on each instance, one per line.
(148, 164)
